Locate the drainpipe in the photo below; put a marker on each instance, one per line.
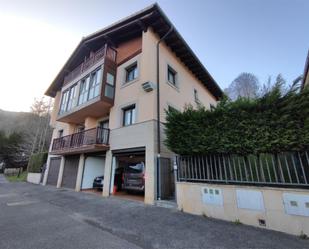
(158, 113)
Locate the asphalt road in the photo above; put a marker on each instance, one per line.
(40, 217)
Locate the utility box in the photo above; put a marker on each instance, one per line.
(296, 204)
(212, 196)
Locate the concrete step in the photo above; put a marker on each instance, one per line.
(166, 204)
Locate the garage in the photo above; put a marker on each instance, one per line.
(53, 171)
(70, 171)
(128, 174)
(93, 168)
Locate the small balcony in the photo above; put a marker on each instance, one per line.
(91, 140)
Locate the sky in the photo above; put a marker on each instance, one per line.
(263, 37)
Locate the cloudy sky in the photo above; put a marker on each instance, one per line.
(229, 36)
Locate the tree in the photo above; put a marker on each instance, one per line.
(245, 85)
(11, 151)
(41, 135)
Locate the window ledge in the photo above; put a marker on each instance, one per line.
(173, 86)
(125, 84)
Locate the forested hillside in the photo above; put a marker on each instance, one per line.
(32, 130)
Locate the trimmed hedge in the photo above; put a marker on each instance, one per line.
(269, 124)
(36, 161)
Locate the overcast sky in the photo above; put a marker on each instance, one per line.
(229, 36)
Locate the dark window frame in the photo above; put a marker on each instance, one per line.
(130, 109)
(131, 69)
(171, 76)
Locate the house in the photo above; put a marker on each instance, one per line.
(305, 81)
(110, 99)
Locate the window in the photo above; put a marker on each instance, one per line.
(129, 115)
(104, 124)
(95, 83)
(84, 89)
(72, 98)
(109, 86)
(60, 133)
(196, 96)
(171, 75)
(64, 102)
(131, 72)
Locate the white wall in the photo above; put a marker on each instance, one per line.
(248, 204)
(94, 166)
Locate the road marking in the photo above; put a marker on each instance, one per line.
(7, 195)
(20, 203)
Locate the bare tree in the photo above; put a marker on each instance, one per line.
(245, 85)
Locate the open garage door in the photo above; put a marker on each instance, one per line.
(53, 172)
(128, 178)
(70, 172)
(94, 167)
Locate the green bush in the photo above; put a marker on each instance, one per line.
(269, 124)
(36, 161)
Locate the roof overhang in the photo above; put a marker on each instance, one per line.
(133, 26)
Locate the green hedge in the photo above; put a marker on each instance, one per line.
(36, 161)
(269, 124)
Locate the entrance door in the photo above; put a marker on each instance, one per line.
(167, 186)
(53, 172)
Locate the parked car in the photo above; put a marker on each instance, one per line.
(98, 182)
(134, 177)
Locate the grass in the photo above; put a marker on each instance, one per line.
(22, 177)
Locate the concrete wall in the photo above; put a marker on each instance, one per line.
(34, 178)
(190, 199)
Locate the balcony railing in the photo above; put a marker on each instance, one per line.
(94, 136)
(105, 51)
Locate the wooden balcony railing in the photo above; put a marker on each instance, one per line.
(94, 136)
(105, 51)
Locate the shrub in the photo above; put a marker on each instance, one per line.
(36, 161)
(269, 124)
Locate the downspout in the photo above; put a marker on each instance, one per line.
(158, 113)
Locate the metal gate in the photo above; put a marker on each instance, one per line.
(53, 172)
(70, 172)
(167, 181)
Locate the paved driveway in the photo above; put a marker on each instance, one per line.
(40, 217)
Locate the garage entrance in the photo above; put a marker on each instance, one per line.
(93, 174)
(128, 174)
(53, 171)
(70, 171)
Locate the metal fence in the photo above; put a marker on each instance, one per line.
(290, 169)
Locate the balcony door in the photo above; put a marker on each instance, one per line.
(103, 132)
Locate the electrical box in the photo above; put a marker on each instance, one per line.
(212, 196)
(250, 199)
(296, 204)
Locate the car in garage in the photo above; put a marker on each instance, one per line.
(134, 177)
(98, 182)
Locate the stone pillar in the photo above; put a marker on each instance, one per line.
(79, 178)
(107, 173)
(60, 175)
(150, 175)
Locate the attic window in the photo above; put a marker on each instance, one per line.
(171, 75)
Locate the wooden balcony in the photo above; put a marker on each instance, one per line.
(96, 106)
(92, 140)
(94, 57)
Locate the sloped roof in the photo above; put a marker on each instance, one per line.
(131, 26)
